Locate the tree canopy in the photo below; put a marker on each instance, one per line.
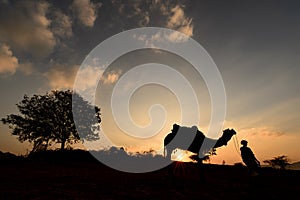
(47, 119)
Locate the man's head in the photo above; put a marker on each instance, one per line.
(244, 142)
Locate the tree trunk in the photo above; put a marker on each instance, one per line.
(62, 147)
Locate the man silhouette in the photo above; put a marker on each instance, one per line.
(249, 158)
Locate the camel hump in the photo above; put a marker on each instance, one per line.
(183, 135)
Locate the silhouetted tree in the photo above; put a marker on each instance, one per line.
(278, 162)
(47, 119)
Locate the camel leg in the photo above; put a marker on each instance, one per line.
(171, 171)
(170, 167)
(201, 170)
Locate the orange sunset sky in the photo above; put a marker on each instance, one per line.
(254, 44)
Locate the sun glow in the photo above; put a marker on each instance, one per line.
(182, 156)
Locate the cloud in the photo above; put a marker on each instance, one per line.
(111, 77)
(87, 79)
(178, 21)
(61, 25)
(262, 131)
(157, 13)
(160, 37)
(82, 79)
(86, 11)
(89, 75)
(25, 27)
(8, 62)
(135, 11)
(61, 76)
(166, 14)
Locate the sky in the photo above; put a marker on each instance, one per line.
(254, 44)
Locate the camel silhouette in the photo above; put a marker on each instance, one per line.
(193, 140)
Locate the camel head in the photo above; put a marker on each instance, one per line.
(224, 139)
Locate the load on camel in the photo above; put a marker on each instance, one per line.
(193, 140)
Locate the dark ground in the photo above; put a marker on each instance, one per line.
(87, 179)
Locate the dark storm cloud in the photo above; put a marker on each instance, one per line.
(38, 31)
(25, 28)
(86, 11)
(79, 26)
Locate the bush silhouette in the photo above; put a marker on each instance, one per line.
(279, 162)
